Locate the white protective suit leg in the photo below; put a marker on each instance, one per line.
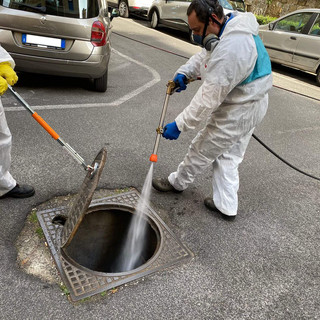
(6, 180)
(225, 137)
(225, 173)
(225, 182)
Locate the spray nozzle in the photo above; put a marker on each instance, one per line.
(153, 158)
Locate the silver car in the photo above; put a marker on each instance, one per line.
(58, 37)
(173, 13)
(126, 7)
(294, 40)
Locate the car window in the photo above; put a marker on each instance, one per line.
(315, 30)
(81, 9)
(294, 23)
(225, 4)
(238, 5)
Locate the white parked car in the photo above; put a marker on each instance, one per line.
(173, 13)
(126, 7)
(294, 40)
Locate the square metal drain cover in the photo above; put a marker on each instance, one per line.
(83, 282)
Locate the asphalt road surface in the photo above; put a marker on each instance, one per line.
(264, 265)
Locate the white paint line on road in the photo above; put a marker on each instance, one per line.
(118, 102)
(120, 67)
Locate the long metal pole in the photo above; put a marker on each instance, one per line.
(170, 89)
(53, 134)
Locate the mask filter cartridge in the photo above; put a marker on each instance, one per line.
(210, 42)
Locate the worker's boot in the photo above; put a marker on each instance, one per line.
(20, 191)
(208, 202)
(163, 185)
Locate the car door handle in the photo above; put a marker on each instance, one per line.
(293, 38)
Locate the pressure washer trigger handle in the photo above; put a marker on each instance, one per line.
(191, 80)
(177, 84)
(186, 81)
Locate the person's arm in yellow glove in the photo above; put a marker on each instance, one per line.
(7, 75)
(3, 86)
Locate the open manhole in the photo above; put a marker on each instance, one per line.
(101, 236)
(86, 240)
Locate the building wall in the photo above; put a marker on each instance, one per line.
(276, 8)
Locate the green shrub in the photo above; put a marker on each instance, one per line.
(265, 19)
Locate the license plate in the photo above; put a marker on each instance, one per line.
(45, 42)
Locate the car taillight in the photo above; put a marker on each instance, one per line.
(98, 34)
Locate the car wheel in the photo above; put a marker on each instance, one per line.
(318, 77)
(123, 9)
(154, 21)
(100, 84)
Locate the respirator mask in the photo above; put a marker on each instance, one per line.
(209, 42)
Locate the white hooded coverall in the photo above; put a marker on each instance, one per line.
(6, 180)
(231, 106)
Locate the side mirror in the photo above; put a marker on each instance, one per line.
(114, 13)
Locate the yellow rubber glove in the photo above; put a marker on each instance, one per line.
(8, 73)
(3, 86)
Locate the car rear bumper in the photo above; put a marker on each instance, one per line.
(94, 67)
(139, 10)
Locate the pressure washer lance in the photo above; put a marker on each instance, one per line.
(53, 134)
(171, 88)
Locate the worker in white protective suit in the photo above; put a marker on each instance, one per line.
(233, 99)
(8, 185)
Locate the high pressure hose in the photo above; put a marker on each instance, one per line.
(253, 135)
(283, 160)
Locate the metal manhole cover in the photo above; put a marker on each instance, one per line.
(79, 277)
(83, 200)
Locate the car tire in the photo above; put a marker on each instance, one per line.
(154, 20)
(101, 84)
(318, 77)
(123, 9)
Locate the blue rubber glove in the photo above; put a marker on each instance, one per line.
(171, 131)
(180, 79)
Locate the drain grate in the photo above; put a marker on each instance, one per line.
(83, 282)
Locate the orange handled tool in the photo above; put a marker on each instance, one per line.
(53, 134)
(45, 126)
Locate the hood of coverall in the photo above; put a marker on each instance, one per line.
(243, 23)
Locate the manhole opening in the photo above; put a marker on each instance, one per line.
(59, 220)
(99, 240)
